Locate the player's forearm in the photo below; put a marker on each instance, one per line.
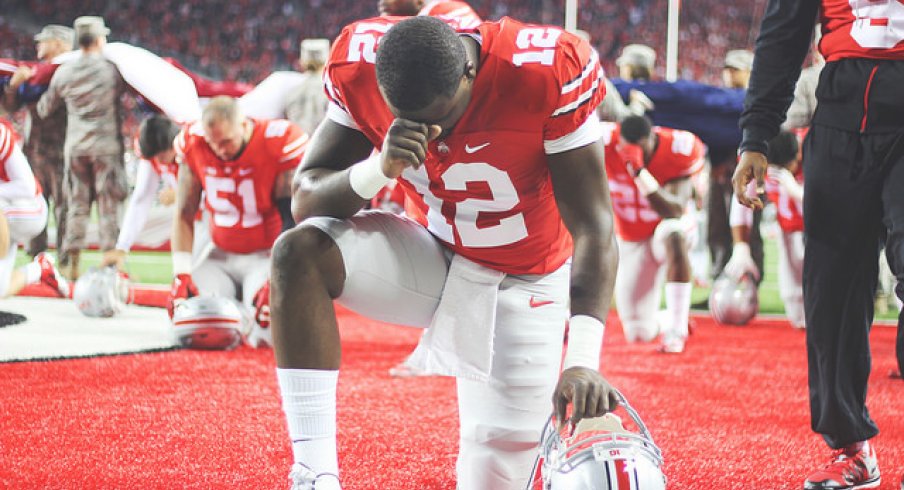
(593, 269)
(666, 205)
(10, 101)
(740, 234)
(781, 47)
(183, 233)
(324, 192)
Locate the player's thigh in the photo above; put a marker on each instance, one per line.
(501, 420)
(212, 275)
(26, 218)
(637, 283)
(253, 271)
(394, 268)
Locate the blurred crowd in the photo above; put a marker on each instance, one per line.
(201, 33)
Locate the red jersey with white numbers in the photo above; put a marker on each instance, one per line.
(484, 189)
(459, 15)
(239, 193)
(8, 141)
(862, 29)
(678, 154)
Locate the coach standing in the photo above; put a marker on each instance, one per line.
(854, 171)
(91, 88)
(44, 137)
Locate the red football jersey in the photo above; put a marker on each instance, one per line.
(457, 14)
(484, 190)
(8, 141)
(789, 213)
(239, 193)
(862, 29)
(678, 154)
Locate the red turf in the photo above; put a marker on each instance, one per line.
(729, 413)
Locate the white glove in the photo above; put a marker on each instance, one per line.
(741, 262)
(639, 103)
(787, 182)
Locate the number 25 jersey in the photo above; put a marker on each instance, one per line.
(484, 189)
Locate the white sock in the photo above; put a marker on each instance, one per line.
(32, 271)
(677, 307)
(309, 402)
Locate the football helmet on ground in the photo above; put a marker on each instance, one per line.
(601, 454)
(101, 292)
(209, 323)
(734, 301)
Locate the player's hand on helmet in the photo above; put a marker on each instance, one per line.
(183, 288)
(752, 166)
(405, 146)
(741, 263)
(589, 394)
(114, 258)
(261, 303)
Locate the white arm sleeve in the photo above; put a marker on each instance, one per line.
(21, 181)
(146, 183)
(339, 116)
(591, 130)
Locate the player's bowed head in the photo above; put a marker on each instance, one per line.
(425, 76)
(225, 127)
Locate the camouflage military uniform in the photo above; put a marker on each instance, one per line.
(91, 87)
(44, 148)
(306, 105)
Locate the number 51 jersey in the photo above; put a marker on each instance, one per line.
(484, 189)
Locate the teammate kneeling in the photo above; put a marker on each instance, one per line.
(244, 167)
(649, 170)
(23, 216)
(494, 138)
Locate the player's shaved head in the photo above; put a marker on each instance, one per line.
(418, 60)
(221, 109)
(636, 128)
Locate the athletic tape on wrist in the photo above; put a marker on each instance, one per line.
(181, 263)
(366, 177)
(646, 183)
(585, 341)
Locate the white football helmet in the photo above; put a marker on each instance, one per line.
(601, 455)
(209, 323)
(734, 302)
(101, 292)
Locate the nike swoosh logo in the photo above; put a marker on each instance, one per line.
(535, 303)
(472, 149)
(245, 171)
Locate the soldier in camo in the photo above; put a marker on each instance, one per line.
(306, 105)
(91, 88)
(44, 138)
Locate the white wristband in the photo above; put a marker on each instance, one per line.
(181, 263)
(741, 249)
(366, 177)
(585, 341)
(646, 183)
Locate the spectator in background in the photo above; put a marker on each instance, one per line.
(735, 75)
(636, 63)
(306, 105)
(44, 138)
(613, 108)
(91, 88)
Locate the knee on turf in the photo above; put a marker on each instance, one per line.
(639, 331)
